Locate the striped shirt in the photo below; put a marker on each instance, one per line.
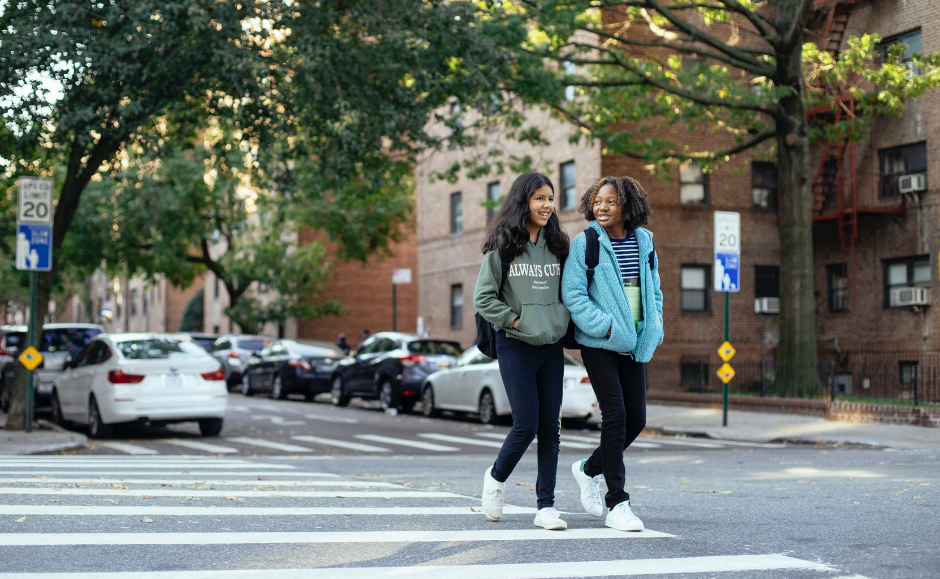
(628, 256)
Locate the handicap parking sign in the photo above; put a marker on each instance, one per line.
(33, 247)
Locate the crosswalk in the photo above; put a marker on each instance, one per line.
(374, 443)
(203, 517)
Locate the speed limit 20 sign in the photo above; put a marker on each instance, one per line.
(34, 200)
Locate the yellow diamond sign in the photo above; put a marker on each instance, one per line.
(30, 358)
(726, 373)
(726, 351)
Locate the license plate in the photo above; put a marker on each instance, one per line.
(172, 380)
(443, 365)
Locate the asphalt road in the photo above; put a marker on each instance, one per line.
(721, 511)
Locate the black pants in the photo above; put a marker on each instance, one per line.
(534, 379)
(620, 386)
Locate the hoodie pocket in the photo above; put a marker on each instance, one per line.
(543, 323)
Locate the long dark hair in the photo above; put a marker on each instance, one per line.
(633, 199)
(509, 235)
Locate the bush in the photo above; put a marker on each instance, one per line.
(193, 314)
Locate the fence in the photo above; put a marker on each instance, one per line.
(896, 377)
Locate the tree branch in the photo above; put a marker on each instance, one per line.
(764, 26)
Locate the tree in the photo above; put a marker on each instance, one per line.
(747, 72)
(194, 313)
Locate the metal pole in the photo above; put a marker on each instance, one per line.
(30, 336)
(394, 309)
(763, 384)
(724, 389)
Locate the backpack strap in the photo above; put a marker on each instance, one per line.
(506, 261)
(592, 252)
(652, 258)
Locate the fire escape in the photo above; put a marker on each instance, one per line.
(835, 197)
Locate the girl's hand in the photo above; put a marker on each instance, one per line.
(609, 330)
(515, 323)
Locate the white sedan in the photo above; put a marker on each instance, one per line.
(474, 385)
(144, 378)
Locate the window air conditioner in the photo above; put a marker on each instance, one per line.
(910, 296)
(767, 305)
(912, 183)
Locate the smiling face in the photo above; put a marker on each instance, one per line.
(608, 210)
(541, 206)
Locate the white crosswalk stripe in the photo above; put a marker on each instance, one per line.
(269, 444)
(565, 443)
(409, 443)
(318, 509)
(461, 440)
(196, 445)
(340, 443)
(129, 448)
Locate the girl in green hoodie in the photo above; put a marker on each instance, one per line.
(530, 321)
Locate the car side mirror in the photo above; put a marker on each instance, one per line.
(68, 362)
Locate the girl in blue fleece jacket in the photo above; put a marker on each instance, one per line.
(619, 323)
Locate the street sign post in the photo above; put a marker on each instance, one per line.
(34, 212)
(398, 276)
(727, 280)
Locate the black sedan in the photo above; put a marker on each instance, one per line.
(291, 367)
(390, 367)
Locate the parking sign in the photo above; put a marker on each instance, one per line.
(727, 251)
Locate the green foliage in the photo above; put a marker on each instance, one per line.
(194, 313)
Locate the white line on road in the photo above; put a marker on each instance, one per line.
(340, 443)
(50, 539)
(269, 444)
(137, 510)
(180, 473)
(686, 442)
(595, 441)
(336, 419)
(129, 448)
(563, 443)
(196, 445)
(405, 442)
(552, 570)
(161, 492)
(461, 440)
(210, 482)
(139, 465)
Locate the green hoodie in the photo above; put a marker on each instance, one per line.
(530, 294)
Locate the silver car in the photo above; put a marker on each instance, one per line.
(233, 351)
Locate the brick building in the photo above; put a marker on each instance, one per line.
(875, 336)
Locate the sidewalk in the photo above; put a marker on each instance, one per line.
(45, 438)
(677, 420)
(773, 427)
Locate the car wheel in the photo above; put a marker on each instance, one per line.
(337, 396)
(210, 427)
(56, 409)
(487, 409)
(277, 389)
(387, 398)
(427, 402)
(96, 426)
(246, 386)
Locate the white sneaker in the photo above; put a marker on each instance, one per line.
(622, 518)
(493, 499)
(548, 518)
(590, 489)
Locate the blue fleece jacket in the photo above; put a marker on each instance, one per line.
(604, 305)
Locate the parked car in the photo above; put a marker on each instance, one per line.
(474, 385)
(233, 352)
(390, 367)
(202, 339)
(152, 379)
(58, 341)
(11, 338)
(291, 367)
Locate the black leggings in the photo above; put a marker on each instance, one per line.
(620, 386)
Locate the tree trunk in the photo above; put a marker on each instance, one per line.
(797, 373)
(15, 417)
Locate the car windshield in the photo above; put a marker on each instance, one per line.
(324, 350)
(14, 340)
(67, 339)
(252, 345)
(159, 348)
(206, 343)
(434, 348)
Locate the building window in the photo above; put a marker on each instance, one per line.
(456, 213)
(907, 373)
(695, 288)
(912, 39)
(899, 161)
(134, 302)
(906, 272)
(145, 303)
(693, 184)
(569, 192)
(216, 286)
(766, 281)
(694, 375)
(493, 193)
(764, 186)
(837, 288)
(569, 68)
(456, 306)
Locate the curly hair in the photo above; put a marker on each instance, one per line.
(633, 199)
(508, 233)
